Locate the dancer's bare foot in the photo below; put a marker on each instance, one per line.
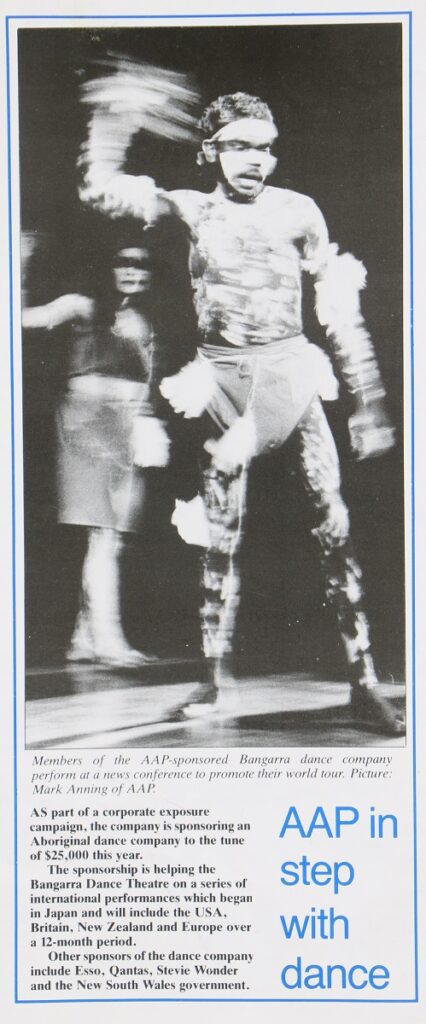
(79, 652)
(123, 656)
(116, 656)
(370, 707)
(219, 693)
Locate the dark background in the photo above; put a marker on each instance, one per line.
(335, 92)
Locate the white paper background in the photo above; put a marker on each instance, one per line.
(380, 903)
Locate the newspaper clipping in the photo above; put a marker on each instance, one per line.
(208, 541)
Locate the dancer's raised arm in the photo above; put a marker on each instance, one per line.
(131, 97)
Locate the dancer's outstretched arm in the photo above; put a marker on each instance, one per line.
(131, 97)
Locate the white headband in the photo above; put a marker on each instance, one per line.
(255, 125)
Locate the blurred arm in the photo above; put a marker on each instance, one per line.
(61, 311)
(338, 287)
(339, 280)
(129, 98)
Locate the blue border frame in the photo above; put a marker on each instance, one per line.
(203, 17)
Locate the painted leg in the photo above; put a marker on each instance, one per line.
(224, 498)
(319, 464)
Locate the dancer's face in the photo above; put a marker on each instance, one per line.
(132, 273)
(243, 152)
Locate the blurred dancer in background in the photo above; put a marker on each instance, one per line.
(106, 431)
(255, 376)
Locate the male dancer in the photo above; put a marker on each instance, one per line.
(255, 373)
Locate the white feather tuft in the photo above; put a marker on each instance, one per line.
(190, 391)
(337, 291)
(191, 521)
(150, 442)
(237, 446)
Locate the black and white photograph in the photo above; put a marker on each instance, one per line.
(211, 225)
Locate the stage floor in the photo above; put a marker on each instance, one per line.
(87, 707)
